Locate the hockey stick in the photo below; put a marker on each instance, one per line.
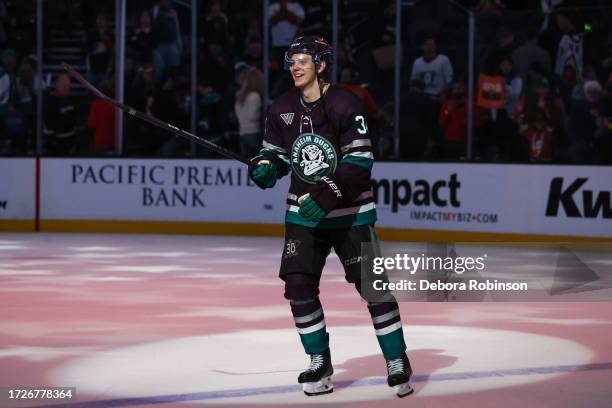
(154, 121)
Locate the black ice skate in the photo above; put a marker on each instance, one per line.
(316, 380)
(399, 372)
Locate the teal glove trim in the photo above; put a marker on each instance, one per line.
(265, 175)
(310, 210)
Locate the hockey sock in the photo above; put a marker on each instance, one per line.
(388, 328)
(310, 323)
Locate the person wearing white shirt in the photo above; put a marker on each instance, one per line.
(434, 69)
(248, 108)
(514, 84)
(285, 19)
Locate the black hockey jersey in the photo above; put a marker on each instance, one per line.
(327, 148)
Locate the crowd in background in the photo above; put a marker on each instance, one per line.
(542, 92)
(543, 88)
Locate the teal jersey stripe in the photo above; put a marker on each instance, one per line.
(364, 218)
(358, 161)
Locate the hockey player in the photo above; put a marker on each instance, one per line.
(318, 132)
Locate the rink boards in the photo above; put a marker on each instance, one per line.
(17, 194)
(415, 201)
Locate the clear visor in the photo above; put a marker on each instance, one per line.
(301, 60)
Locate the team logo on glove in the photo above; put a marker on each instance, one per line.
(313, 157)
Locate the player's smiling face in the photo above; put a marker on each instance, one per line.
(302, 70)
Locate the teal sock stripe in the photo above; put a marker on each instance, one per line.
(392, 344)
(315, 342)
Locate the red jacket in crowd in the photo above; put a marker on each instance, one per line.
(540, 142)
(102, 121)
(453, 119)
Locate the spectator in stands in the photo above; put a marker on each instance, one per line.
(569, 62)
(59, 118)
(23, 108)
(514, 85)
(252, 51)
(141, 95)
(230, 124)
(540, 95)
(603, 135)
(489, 19)
(8, 83)
(142, 89)
(589, 73)
(12, 119)
(253, 26)
(214, 73)
(99, 45)
(166, 33)
(418, 123)
(26, 87)
(530, 57)
(382, 28)
(247, 30)
(248, 108)
(101, 120)
(216, 25)
(453, 120)
(505, 47)
(435, 70)
(285, 19)
(141, 41)
(539, 136)
(214, 76)
(370, 107)
(169, 106)
(583, 121)
(502, 141)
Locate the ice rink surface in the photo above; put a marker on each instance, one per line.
(148, 320)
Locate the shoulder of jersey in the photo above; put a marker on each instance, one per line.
(285, 101)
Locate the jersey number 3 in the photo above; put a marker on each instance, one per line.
(363, 128)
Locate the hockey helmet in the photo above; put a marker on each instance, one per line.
(317, 47)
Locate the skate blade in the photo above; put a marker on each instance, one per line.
(403, 390)
(323, 386)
